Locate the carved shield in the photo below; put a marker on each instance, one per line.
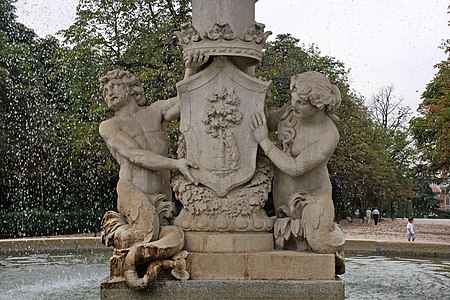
(217, 106)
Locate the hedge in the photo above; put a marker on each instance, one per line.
(39, 222)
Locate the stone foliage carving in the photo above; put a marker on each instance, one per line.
(187, 34)
(240, 210)
(140, 231)
(256, 33)
(222, 40)
(220, 116)
(220, 31)
(302, 188)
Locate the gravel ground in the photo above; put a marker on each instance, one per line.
(427, 230)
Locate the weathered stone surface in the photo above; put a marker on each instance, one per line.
(240, 210)
(273, 265)
(229, 289)
(217, 242)
(239, 14)
(136, 137)
(222, 184)
(224, 28)
(216, 109)
(302, 188)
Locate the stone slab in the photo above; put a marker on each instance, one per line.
(52, 244)
(422, 249)
(372, 247)
(229, 289)
(273, 265)
(219, 242)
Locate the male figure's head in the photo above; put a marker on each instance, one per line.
(119, 87)
(410, 219)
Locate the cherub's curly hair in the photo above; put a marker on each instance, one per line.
(132, 83)
(320, 93)
(319, 90)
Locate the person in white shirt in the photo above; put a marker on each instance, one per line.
(410, 231)
(369, 216)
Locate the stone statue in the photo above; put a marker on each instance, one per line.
(302, 188)
(136, 137)
(221, 177)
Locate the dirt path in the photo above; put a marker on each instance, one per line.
(427, 230)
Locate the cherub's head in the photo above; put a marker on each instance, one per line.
(312, 91)
(119, 87)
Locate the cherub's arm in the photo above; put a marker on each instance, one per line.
(310, 158)
(120, 142)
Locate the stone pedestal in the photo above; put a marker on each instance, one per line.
(273, 265)
(222, 242)
(229, 289)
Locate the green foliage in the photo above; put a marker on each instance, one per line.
(283, 58)
(431, 129)
(135, 35)
(424, 202)
(39, 222)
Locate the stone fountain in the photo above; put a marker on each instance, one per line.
(222, 244)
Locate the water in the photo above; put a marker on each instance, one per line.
(379, 277)
(53, 276)
(78, 276)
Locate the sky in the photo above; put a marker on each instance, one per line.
(382, 42)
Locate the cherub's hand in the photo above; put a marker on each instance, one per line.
(184, 165)
(259, 127)
(195, 61)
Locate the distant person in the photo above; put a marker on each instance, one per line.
(369, 216)
(410, 231)
(357, 213)
(376, 215)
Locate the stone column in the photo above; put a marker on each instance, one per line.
(240, 14)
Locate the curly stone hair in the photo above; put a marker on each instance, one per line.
(320, 92)
(133, 84)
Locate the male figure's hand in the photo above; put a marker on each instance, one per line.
(184, 165)
(194, 62)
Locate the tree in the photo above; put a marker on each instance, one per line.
(424, 202)
(391, 120)
(51, 156)
(284, 57)
(24, 113)
(385, 108)
(431, 129)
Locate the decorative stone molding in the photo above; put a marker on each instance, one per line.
(221, 40)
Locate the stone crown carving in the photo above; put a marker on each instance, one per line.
(221, 40)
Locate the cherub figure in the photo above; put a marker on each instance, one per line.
(302, 187)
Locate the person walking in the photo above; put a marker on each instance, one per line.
(369, 216)
(410, 231)
(376, 216)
